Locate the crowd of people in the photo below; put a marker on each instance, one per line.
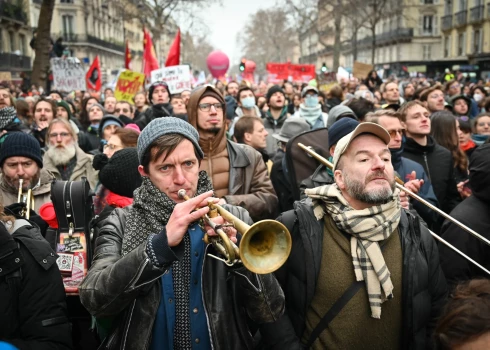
(363, 270)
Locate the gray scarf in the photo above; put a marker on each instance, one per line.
(311, 114)
(7, 116)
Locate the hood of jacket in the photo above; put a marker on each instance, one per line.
(192, 110)
(480, 173)
(412, 146)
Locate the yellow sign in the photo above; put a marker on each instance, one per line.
(417, 69)
(5, 76)
(361, 70)
(128, 84)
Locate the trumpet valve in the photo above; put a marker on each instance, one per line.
(183, 194)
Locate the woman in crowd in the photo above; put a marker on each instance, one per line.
(335, 96)
(84, 117)
(443, 129)
(466, 144)
(481, 128)
(461, 105)
(478, 93)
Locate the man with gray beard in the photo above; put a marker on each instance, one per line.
(64, 158)
(362, 269)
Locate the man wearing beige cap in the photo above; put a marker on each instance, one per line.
(362, 271)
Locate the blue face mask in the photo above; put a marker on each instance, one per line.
(248, 102)
(311, 101)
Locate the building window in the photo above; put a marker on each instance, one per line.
(463, 5)
(427, 2)
(12, 41)
(67, 26)
(477, 40)
(447, 47)
(23, 45)
(428, 24)
(426, 51)
(448, 8)
(66, 1)
(461, 44)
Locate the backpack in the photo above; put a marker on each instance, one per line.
(72, 201)
(300, 164)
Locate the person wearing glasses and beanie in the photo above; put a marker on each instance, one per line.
(159, 97)
(237, 171)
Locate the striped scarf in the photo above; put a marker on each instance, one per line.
(367, 227)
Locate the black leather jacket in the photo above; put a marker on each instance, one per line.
(130, 287)
(424, 285)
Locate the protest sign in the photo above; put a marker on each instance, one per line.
(5, 76)
(361, 70)
(128, 84)
(178, 78)
(68, 74)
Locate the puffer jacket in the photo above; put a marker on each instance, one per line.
(154, 112)
(32, 298)
(42, 193)
(424, 285)
(130, 287)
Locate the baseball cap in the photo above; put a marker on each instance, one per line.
(363, 128)
(308, 88)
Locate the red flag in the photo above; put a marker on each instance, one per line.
(173, 58)
(150, 61)
(127, 60)
(93, 77)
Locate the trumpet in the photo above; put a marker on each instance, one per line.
(28, 199)
(264, 246)
(399, 185)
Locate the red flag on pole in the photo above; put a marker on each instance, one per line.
(150, 61)
(127, 60)
(93, 77)
(173, 58)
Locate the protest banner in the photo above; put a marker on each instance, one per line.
(361, 70)
(178, 78)
(128, 84)
(68, 74)
(5, 76)
(278, 72)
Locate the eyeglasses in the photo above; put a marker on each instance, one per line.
(119, 110)
(455, 86)
(55, 135)
(111, 146)
(206, 107)
(394, 132)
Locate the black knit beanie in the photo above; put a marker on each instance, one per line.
(119, 174)
(20, 144)
(272, 91)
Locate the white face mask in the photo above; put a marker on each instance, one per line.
(477, 97)
(248, 102)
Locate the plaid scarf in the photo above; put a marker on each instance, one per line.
(367, 227)
(7, 116)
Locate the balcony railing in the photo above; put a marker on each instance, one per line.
(12, 61)
(81, 38)
(447, 22)
(113, 46)
(398, 34)
(461, 17)
(476, 13)
(13, 11)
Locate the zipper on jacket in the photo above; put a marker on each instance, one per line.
(204, 299)
(427, 166)
(128, 323)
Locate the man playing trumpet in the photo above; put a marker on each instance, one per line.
(151, 265)
(362, 270)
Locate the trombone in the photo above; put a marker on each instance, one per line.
(27, 199)
(399, 185)
(264, 246)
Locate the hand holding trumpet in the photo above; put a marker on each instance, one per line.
(190, 211)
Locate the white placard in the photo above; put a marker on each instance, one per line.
(68, 74)
(178, 78)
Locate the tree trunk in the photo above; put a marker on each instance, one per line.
(336, 44)
(43, 46)
(373, 43)
(354, 45)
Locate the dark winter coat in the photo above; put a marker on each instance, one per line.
(438, 163)
(473, 212)
(281, 183)
(32, 296)
(424, 285)
(131, 287)
(154, 112)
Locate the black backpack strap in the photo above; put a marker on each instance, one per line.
(334, 311)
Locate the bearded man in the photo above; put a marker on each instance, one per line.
(362, 269)
(20, 158)
(64, 158)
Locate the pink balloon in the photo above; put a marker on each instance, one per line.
(218, 63)
(250, 66)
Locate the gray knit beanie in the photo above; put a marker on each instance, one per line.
(164, 126)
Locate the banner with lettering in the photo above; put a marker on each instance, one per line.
(278, 72)
(128, 84)
(178, 78)
(68, 74)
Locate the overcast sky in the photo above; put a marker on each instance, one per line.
(227, 20)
